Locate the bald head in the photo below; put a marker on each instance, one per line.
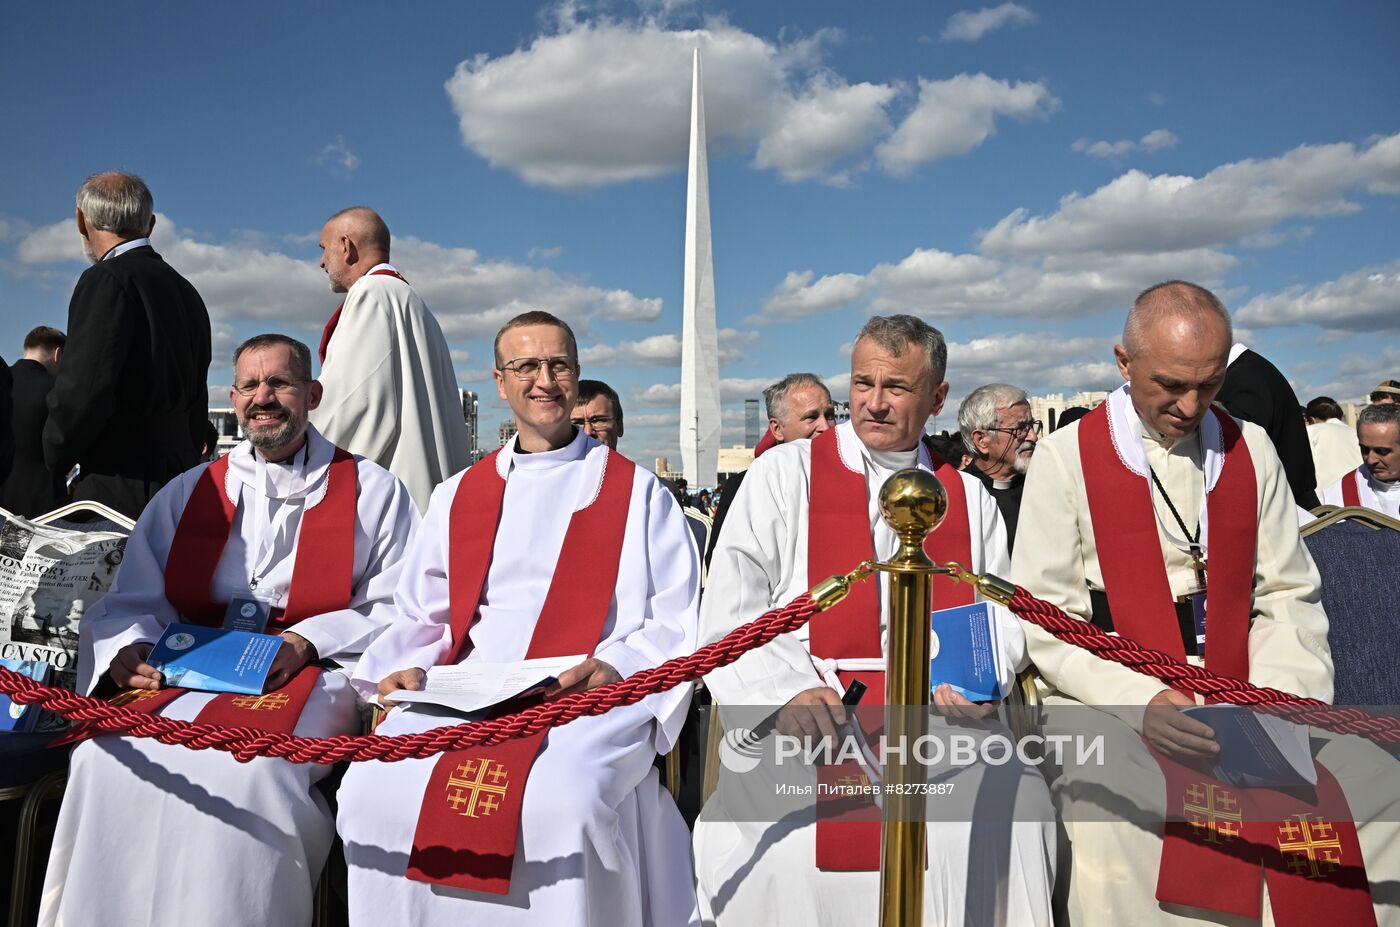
(1176, 346)
(352, 242)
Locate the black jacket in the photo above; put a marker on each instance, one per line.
(130, 401)
(31, 489)
(1257, 392)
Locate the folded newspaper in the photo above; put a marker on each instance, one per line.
(470, 687)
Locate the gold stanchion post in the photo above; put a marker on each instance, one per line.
(913, 503)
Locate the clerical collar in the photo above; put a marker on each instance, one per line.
(301, 476)
(1381, 485)
(1002, 484)
(544, 460)
(124, 247)
(893, 460)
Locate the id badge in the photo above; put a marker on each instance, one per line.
(1198, 616)
(247, 612)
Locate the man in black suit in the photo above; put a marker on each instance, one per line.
(130, 402)
(1257, 392)
(996, 425)
(32, 488)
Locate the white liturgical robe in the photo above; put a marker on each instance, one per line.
(1334, 449)
(752, 871)
(1371, 492)
(151, 834)
(390, 390)
(1115, 862)
(600, 841)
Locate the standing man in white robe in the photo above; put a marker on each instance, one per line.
(391, 392)
(1376, 483)
(598, 841)
(151, 834)
(1102, 536)
(753, 872)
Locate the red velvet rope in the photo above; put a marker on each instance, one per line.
(1187, 678)
(246, 743)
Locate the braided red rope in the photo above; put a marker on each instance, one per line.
(1188, 678)
(246, 743)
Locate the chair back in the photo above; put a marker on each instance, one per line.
(1362, 598)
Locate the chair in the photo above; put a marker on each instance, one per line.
(1356, 551)
(30, 771)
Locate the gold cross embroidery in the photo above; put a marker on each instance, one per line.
(1213, 813)
(270, 702)
(133, 695)
(1310, 847)
(476, 787)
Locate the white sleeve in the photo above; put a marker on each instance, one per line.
(362, 380)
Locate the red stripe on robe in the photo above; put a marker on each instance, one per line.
(469, 824)
(1351, 489)
(840, 536)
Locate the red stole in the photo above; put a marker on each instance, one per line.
(335, 316)
(469, 825)
(321, 582)
(1351, 489)
(1205, 863)
(839, 536)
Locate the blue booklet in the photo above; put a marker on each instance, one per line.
(1257, 749)
(15, 718)
(965, 652)
(215, 659)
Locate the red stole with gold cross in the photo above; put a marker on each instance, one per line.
(1217, 838)
(322, 579)
(839, 537)
(469, 824)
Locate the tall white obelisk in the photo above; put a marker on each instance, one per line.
(700, 420)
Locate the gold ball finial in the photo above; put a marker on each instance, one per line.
(913, 502)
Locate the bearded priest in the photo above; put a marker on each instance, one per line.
(164, 835)
(553, 546)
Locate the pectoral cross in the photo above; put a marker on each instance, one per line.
(1198, 566)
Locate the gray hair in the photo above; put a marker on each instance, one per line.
(978, 411)
(1172, 298)
(1380, 413)
(897, 333)
(301, 354)
(116, 202)
(775, 396)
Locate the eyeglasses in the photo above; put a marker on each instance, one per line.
(1020, 431)
(276, 384)
(594, 421)
(527, 368)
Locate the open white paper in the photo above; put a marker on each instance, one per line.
(470, 687)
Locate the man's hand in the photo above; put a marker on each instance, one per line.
(1179, 737)
(590, 674)
(814, 713)
(955, 705)
(411, 679)
(295, 652)
(129, 669)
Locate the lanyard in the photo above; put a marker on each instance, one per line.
(1192, 538)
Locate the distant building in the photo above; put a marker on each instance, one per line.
(752, 432)
(734, 459)
(225, 422)
(469, 415)
(664, 471)
(505, 432)
(1048, 408)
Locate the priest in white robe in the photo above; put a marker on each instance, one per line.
(391, 392)
(1376, 483)
(151, 834)
(595, 840)
(1129, 512)
(752, 871)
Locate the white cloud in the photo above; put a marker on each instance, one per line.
(1157, 99)
(1154, 141)
(731, 389)
(1033, 361)
(954, 116)
(798, 297)
(828, 122)
(1140, 213)
(1351, 377)
(338, 158)
(471, 296)
(545, 254)
(1366, 300)
(971, 25)
(662, 350)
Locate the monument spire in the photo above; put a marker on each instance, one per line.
(700, 418)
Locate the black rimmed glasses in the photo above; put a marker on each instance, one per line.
(594, 421)
(528, 368)
(1021, 430)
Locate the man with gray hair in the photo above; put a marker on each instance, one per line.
(996, 424)
(805, 512)
(130, 403)
(1376, 483)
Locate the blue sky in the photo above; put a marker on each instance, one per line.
(1015, 173)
